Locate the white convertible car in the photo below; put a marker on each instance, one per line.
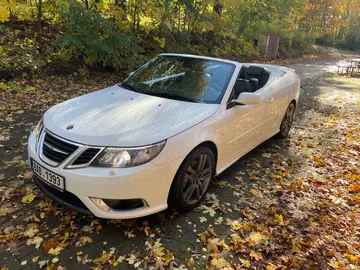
(158, 138)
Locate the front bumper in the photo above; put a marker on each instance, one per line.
(87, 187)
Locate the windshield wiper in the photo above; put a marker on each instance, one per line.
(171, 96)
(129, 87)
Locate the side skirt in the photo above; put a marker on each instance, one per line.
(232, 160)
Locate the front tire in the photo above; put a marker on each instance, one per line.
(287, 121)
(192, 180)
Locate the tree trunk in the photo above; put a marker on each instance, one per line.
(218, 7)
(39, 23)
(86, 4)
(135, 17)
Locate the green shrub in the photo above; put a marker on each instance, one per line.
(299, 44)
(351, 42)
(18, 56)
(95, 40)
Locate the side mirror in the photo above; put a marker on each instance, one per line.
(247, 99)
(131, 73)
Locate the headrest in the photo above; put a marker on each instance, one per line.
(255, 71)
(254, 80)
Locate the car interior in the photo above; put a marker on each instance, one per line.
(251, 78)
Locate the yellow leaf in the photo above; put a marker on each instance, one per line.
(147, 230)
(28, 198)
(336, 264)
(270, 266)
(310, 145)
(55, 251)
(257, 237)
(256, 192)
(4, 13)
(255, 255)
(245, 263)
(279, 219)
(353, 259)
(220, 263)
(3, 212)
(190, 262)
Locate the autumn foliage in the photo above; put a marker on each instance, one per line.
(116, 34)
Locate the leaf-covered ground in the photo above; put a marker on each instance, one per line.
(288, 204)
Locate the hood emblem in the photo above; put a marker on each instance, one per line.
(70, 127)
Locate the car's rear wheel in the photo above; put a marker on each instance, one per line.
(287, 121)
(192, 180)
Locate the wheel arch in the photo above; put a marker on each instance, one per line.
(211, 146)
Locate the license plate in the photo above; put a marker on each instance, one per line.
(47, 176)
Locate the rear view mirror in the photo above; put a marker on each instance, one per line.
(248, 99)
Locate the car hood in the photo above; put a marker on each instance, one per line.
(118, 117)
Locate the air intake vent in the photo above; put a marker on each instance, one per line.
(86, 156)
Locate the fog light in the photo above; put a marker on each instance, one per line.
(110, 205)
(124, 204)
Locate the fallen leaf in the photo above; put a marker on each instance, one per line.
(28, 198)
(3, 211)
(257, 237)
(84, 240)
(256, 192)
(213, 245)
(203, 219)
(129, 233)
(37, 240)
(255, 255)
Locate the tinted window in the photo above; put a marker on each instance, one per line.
(182, 78)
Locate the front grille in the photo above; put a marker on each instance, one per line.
(56, 149)
(86, 156)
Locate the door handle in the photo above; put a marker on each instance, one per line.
(270, 99)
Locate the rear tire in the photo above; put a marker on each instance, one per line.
(192, 180)
(287, 121)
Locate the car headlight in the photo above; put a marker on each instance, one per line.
(112, 157)
(39, 128)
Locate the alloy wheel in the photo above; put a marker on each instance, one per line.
(288, 120)
(197, 178)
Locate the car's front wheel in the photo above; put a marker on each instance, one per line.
(192, 180)
(287, 121)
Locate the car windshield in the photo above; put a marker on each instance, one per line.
(182, 78)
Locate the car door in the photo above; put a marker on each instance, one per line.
(243, 127)
(278, 89)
